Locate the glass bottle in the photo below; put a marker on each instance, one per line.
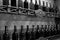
(39, 4)
(21, 33)
(36, 5)
(32, 33)
(37, 35)
(31, 5)
(27, 34)
(6, 35)
(44, 8)
(25, 4)
(15, 34)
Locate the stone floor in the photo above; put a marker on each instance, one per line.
(55, 37)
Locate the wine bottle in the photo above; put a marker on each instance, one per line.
(20, 3)
(5, 2)
(39, 4)
(51, 31)
(48, 30)
(27, 34)
(25, 4)
(37, 32)
(36, 5)
(31, 5)
(45, 31)
(42, 29)
(13, 2)
(0, 36)
(21, 33)
(6, 35)
(44, 8)
(50, 9)
(32, 33)
(15, 34)
(47, 8)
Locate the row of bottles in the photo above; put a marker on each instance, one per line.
(35, 6)
(30, 35)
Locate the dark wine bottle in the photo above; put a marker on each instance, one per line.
(5, 2)
(56, 9)
(48, 30)
(37, 32)
(45, 31)
(27, 34)
(51, 31)
(15, 34)
(0, 36)
(44, 8)
(13, 2)
(47, 8)
(21, 33)
(40, 32)
(32, 33)
(25, 4)
(42, 29)
(6, 35)
(36, 5)
(54, 30)
(50, 9)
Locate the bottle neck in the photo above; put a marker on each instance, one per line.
(25, 0)
(6, 30)
(36, 3)
(21, 30)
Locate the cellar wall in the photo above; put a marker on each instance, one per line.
(18, 20)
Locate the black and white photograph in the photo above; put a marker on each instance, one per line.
(29, 19)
